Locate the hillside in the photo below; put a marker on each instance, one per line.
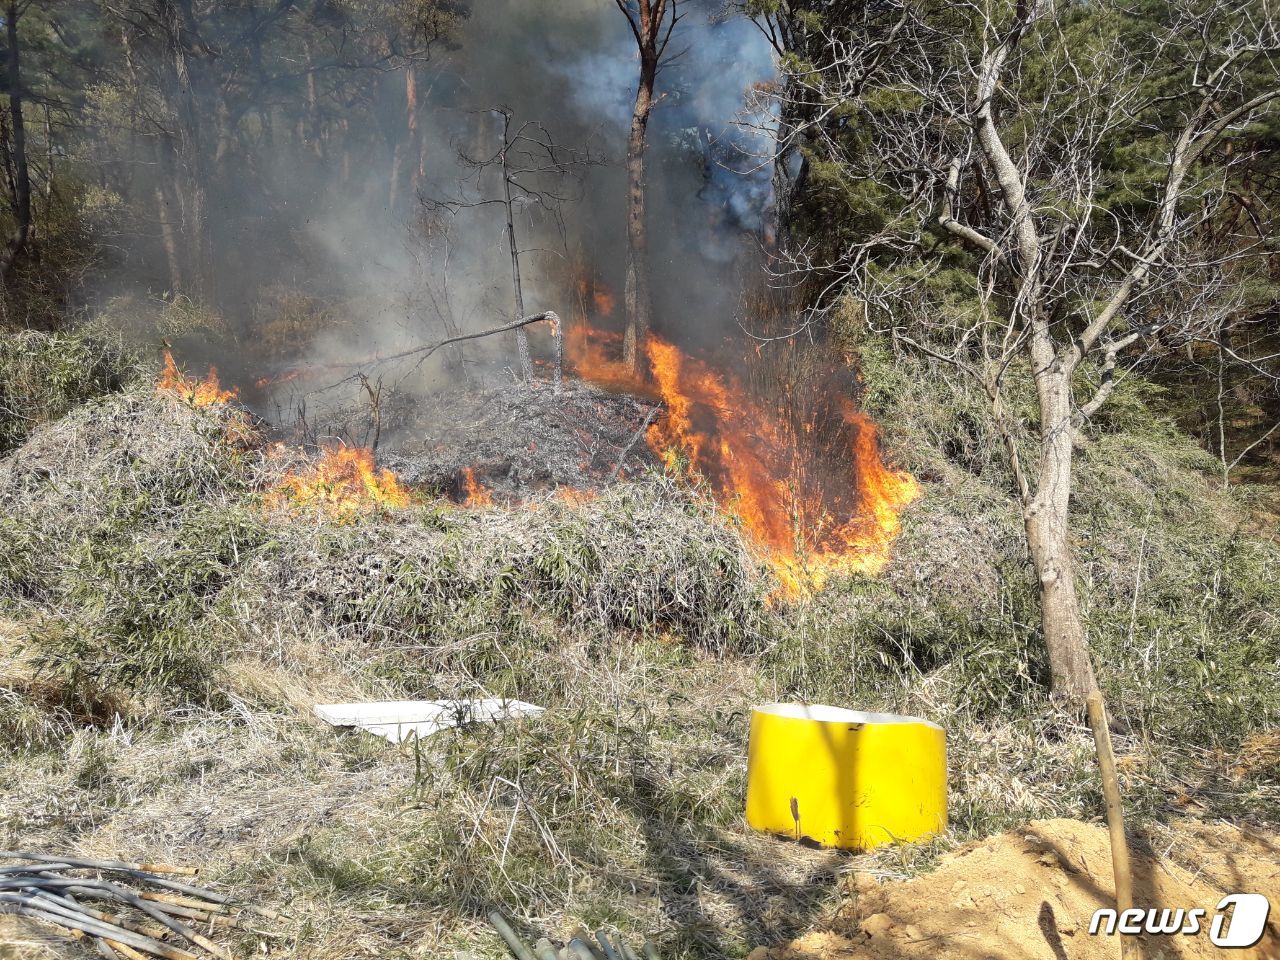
(711, 379)
(160, 709)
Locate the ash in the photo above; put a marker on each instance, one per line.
(522, 438)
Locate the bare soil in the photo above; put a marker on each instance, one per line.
(1030, 894)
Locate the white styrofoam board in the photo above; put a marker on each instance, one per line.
(397, 720)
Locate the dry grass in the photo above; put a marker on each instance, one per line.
(167, 638)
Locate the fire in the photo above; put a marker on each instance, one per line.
(343, 482)
(593, 354)
(812, 492)
(475, 493)
(272, 381)
(198, 393)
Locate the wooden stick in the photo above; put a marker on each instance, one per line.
(1115, 810)
(626, 451)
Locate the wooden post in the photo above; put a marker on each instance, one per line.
(1115, 813)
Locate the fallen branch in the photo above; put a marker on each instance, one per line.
(635, 438)
(426, 350)
(550, 316)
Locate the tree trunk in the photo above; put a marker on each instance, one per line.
(393, 178)
(313, 108)
(21, 172)
(522, 338)
(412, 109)
(191, 161)
(636, 292)
(1047, 521)
(166, 187)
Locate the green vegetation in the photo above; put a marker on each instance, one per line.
(42, 376)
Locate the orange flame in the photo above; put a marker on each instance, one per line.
(814, 513)
(604, 300)
(476, 494)
(271, 381)
(198, 393)
(343, 482)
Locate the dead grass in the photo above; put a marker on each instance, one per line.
(140, 556)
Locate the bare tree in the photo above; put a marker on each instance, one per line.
(985, 132)
(652, 24)
(534, 172)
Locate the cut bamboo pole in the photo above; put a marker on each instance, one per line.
(113, 934)
(43, 858)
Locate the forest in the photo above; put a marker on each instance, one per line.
(630, 381)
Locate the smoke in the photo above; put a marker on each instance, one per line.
(398, 241)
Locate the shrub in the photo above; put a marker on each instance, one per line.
(42, 376)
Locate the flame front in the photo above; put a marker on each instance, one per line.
(811, 490)
(475, 493)
(343, 482)
(198, 393)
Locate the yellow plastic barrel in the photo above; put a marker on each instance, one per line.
(843, 778)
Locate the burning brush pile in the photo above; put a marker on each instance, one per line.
(140, 517)
(148, 532)
(503, 445)
(803, 472)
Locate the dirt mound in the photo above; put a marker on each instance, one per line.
(1031, 894)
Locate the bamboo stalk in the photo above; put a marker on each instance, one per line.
(96, 928)
(47, 888)
(29, 868)
(190, 913)
(136, 927)
(98, 864)
(79, 886)
(139, 871)
(609, 952)
(125, 951)
(1115, 811)
(216, 898)
(187, 902)
(518, 946)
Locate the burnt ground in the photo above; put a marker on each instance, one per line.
(521, 438)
